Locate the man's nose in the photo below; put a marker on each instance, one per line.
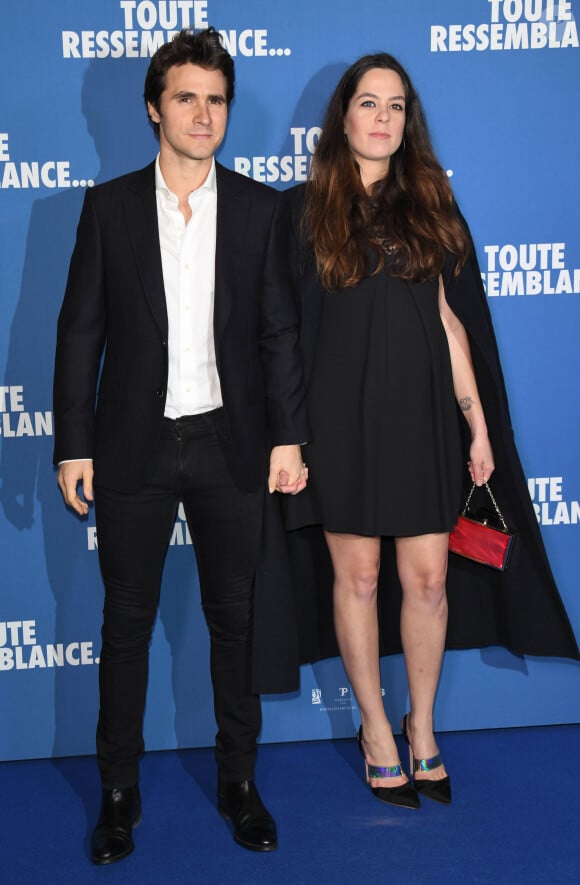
(201, 113)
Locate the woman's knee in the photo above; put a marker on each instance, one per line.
(359, 582)
(427, 588)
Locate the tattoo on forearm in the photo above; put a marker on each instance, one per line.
(465, 403)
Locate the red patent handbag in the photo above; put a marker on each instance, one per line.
(479, 541)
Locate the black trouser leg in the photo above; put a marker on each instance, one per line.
(225, 524)
(133, 533)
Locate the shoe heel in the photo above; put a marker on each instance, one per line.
(404, 796)
(438, 791)
(362, 752)
(408, 742)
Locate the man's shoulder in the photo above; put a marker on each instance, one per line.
(245, 185)
(294, 196)
(137, 179)
(293, 201)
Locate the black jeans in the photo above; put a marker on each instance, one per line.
(133, 533)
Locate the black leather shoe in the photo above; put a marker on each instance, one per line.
(112, 837)
(254, 826)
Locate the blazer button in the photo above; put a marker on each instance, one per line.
(159, 392)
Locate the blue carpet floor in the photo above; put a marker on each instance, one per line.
(515, 819)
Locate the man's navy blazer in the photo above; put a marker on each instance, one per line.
(111, 359)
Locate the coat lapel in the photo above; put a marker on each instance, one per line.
(233, 207)
(141, 215)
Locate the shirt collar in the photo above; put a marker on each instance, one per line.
(209, 184)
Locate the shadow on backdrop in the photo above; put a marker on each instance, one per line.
(116, 120)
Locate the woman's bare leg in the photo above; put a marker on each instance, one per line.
(422, 567)
(356, 562)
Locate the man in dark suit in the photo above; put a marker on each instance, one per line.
(179, 278)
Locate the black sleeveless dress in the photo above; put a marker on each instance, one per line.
(386, 456)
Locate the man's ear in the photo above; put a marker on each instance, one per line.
(153, 113)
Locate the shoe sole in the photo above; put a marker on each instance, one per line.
(260, 848)
(102, 862)
(251, 847)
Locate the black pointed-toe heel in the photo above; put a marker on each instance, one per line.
(405, 795)
(438, 791)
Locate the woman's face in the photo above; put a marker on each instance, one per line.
(374, 122)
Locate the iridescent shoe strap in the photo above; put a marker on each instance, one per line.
(427, 764)
(380, 771)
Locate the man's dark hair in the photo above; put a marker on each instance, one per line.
(203, 48)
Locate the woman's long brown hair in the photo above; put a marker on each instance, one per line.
(411, 210)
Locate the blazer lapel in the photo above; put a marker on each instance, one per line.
(141, 215)
(232, 212)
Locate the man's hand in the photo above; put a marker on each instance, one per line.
(70, 474)
(288, 473)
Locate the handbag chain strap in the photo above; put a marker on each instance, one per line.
(493, 501)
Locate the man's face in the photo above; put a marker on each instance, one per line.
(192, 113)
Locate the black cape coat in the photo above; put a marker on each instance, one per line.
(519, 608)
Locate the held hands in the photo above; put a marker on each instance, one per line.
(481, 465)
(70, 473)
(288, 473)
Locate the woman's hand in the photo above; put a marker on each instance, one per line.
(288, 473)
(481, 464)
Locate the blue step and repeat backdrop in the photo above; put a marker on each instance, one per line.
(499, 80)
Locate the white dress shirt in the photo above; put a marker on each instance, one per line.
(188, 261)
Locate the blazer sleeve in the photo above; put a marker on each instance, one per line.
(80, 342)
